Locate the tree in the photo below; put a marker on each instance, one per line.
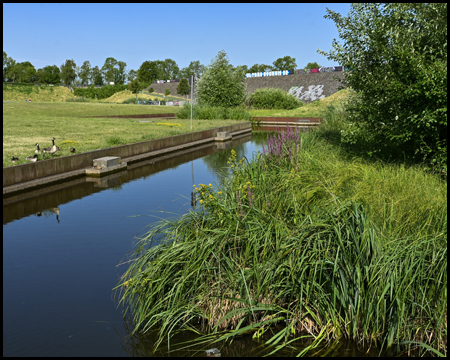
(194, 69)
(50, 75)
(284, 63)
(260, 68)
(135, 86)
(24, 72)
(8, 64)
(312, 65)
(86, 73)
(219, 85)
(97, 76)
(244, 68)
(131, 75)
(148, 72)
(109, 70)
(68, 73)
(183, 87)
(170, 69)
(120, 73)
(398, 56)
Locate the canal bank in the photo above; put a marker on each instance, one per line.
(25, 177)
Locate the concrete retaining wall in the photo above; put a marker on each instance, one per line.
(26, 172)
(329, 80)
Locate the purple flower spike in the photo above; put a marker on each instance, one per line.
(249, 193)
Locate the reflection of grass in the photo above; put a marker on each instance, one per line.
(25, 124)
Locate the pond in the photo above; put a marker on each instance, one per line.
(62, 245)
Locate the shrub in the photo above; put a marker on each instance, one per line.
(270, 98)
(167, 92)
(102, 93)
(150, 90)
(205, 112)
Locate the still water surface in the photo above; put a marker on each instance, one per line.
(61, 250)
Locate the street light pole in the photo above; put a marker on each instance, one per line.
(192, 88)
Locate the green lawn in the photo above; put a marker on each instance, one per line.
(25, 124)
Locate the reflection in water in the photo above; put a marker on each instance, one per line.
(49, 212)
(16, 207)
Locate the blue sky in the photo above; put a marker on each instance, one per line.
(48, 34)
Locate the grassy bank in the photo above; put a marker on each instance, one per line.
(36, 93)
(313, 109)
(303, 236)
(25, 124)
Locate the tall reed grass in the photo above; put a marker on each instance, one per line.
(304, 237)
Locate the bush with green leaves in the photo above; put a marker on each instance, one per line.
(398, 53)
(205, 112)
(150, 90)
(220, 85)
(270, 98)
(102, 93)
(167, 92)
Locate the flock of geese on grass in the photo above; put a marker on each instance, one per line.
(50, 150)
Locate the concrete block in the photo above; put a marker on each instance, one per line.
(223, 136)
(107, 161)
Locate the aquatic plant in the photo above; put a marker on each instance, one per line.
(300, 236)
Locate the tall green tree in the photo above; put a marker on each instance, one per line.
(149, 72)
(132, 74)
(121, 73)
(284, 63)
(398, 56)
(135, 86)
(97, 76)
(50, 75)
(8, 63)
(219, 85)
(109, 69)
(24, 72)
(86, 73)
(183, 87)
(312, 65)
(68, 73)
(170, 69)
(260, 68)
(195, 69)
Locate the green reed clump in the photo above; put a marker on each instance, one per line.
(303, 237)
(204, 112)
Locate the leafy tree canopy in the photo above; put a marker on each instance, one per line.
(97, 76)
(183, 87)
(312, 65)
(86, 73)
(68, 73)
(195, 68)
(398, 56)
(148, 72)
(50, 75)
(220, 85)
(260, 68)
(284, 63)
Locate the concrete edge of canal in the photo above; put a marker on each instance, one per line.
(25, 177)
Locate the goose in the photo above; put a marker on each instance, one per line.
(14, 159)
(39, 150)
(33, 158)
(72, 149)
(51, 150)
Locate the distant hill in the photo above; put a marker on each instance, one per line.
(36, 93)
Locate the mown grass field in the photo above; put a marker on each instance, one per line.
(25, 124)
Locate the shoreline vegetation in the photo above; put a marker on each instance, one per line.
(305, 236)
